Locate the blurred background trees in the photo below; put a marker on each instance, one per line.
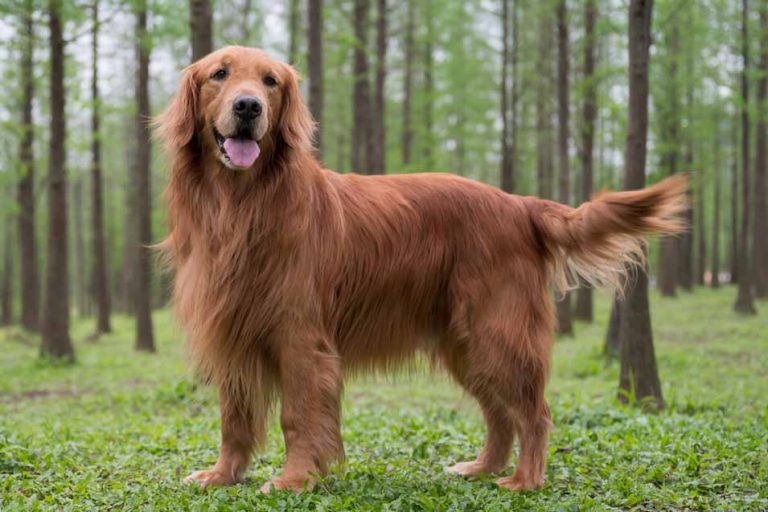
(533, 97)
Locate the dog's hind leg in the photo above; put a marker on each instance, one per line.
(494, 455)
(503, 363)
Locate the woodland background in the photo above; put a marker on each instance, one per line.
(537, 98)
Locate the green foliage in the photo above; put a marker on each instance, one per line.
(120, 429)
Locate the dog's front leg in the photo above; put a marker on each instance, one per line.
(310, 381)
(238, 436)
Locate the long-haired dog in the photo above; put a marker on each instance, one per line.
(288, 274)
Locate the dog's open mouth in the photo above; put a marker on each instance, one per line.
(239, 151)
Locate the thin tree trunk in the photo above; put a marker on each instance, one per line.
(294, 20)
(99, 280)
(77, 220)
(669, 245)
(507, 155)
(245, 25)
(142, 289)
(733, 263)
(30, 280)
(201, 28)
(407, 136)
(639, 376)
(6, 278)
(715, 282)
(744, 300)
(361, 126)
(55, 321)
(429, 88)
(761, 164)
(315, 57)
(564, 316)
(584, 300)
(544, 129)
(379, 143)
(612, 346)
(701, 235)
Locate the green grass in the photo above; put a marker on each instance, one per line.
(118, 430)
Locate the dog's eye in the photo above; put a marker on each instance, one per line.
(220, 74)
(270, 81)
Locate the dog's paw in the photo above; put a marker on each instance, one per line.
(210, 477)
(470, 468)
(295, 484)
(517, 484)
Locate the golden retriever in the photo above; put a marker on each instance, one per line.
(288, 275)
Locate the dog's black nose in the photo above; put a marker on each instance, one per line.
(247, 107)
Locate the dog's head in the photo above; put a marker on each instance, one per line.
(235, 104)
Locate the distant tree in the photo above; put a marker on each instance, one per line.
(670, 120)
(55, 320)
(6, 277)
(315, 58)
(28, 262)
(638, 360)
(589, 114)
(379, 143)
(99, 280)
(733, 262)
(410, 50)
(78, 224)
(294, 25)
(143, 285)
(201, 28)
(761, 164)
(716, 207)
(744, 300)
(508, 107)
(544, 129)
(564, 315)
(428, 86)
(361, 106)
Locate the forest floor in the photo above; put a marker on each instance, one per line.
(119, 430)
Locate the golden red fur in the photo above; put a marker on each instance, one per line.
(288, 275)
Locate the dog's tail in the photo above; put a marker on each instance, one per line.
(601, 239)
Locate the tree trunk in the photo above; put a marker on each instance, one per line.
(544, 129)
(589, 113)
(638, 376)
(564, 316)
(315, 57)
(201, 27)
(715, 282)
(761, 164)
(99, 280)
(6, 277)
(429, 88)
(77, 220)
(733, 263)
(143, 285)
(245, 26)
(744, 300)
(669, 245)
(361, 126)
(687, 268)
(55, 321)
(407, 136)
(507, 120)
(612, 347)
(294, 21)
(30, 280)
(701, 232)
(379, 143)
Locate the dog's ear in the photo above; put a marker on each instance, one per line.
(297, 128)
(176, 125)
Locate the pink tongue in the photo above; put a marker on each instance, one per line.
(242, 152)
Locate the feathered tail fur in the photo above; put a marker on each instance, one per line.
(602, 239)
